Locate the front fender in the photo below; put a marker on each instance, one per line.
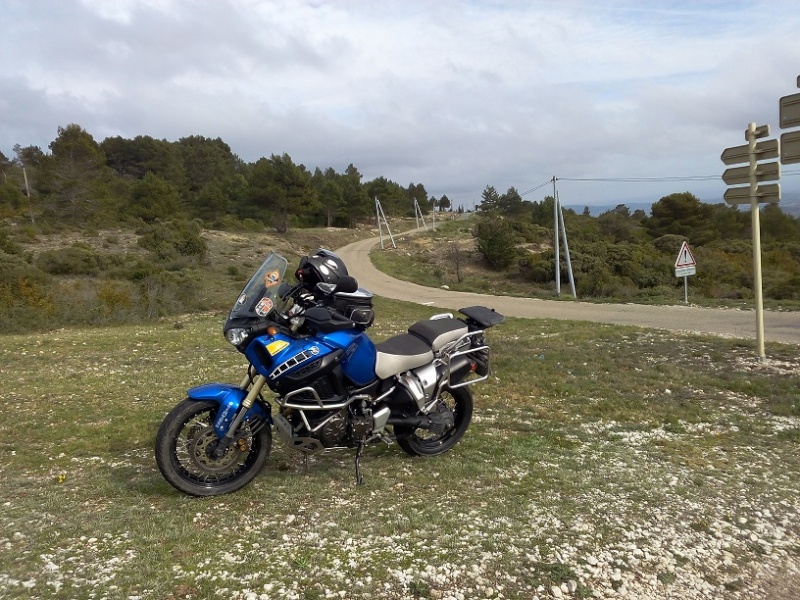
(229, 397)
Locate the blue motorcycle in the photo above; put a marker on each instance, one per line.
(332, 387)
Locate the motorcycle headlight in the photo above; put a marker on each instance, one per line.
(236, 336)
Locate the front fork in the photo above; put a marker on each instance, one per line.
(255, 389)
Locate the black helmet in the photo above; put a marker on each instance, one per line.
(321, 267)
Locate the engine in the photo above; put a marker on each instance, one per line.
(312, 431)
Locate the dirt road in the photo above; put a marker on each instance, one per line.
(778, 326)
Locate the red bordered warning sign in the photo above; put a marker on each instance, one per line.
(685, 263)
(685, 257)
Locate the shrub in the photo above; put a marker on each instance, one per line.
(75, 260)
(496, 242)
(789, 289)
(25, 294)
(168, 240)
(7, 245)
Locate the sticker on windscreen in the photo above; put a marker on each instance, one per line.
(272, 278)
(263, 307)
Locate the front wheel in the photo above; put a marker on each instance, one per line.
(185, 446)
(424, 442)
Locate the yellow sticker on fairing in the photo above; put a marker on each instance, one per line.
(276, 347)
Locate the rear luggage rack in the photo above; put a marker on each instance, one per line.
(478, 354)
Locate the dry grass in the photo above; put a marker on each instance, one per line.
(603, 461)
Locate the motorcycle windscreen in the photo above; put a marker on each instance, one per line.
(260, 295)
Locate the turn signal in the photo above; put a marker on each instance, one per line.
(272, 330)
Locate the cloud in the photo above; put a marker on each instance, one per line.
(454, 95)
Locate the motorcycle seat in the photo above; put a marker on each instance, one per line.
(437, 333)
(401, 353)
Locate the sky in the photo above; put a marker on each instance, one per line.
(456, 95)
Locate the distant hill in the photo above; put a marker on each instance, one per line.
(791, 209)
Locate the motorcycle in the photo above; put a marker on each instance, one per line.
(333, 387)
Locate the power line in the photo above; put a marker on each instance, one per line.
(642, 179)
(715, 177)
(538, 187)
(657, 179)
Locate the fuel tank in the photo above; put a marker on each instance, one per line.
(278, 356)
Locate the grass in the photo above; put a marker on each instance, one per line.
(427, 258)
(603, 457)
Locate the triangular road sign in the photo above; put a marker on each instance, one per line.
(685, 258)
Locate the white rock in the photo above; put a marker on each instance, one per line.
(556, 592)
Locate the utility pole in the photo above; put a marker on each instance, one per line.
(555, 240)
(28, 194)
(380, 215)
(418, 215)
(560, 230)
(566, 248)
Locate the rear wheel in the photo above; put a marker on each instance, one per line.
(185, 446)
(424, 442)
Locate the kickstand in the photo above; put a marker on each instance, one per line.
(359, 452)
(305, 462)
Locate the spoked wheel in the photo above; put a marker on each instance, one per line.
(185, 446)
(424, 442)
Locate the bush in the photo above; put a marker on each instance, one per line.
(539, 268)
(7, 245)
(788, 289)
(168, 240)
(25, 294)
(496, 242)
(75, 260)
(169, 293)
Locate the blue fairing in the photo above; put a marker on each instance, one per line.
(277, 355)
(229, 397)
(359, 356)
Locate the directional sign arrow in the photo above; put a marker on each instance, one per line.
(789, 111)
(790, 148)
(764, 172)
(761, 131)
(765, 150)
(770, 194)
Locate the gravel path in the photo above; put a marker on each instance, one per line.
(778, 326)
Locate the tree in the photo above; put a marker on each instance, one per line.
(29, 156)
(543, 213)
(496, 241)
(490, 202)
(143, 154)
(153, 197)
(331, 198)
(357, 202)
(392, 196)
(456, 256)
(283, 189)
(206, 160)
(416, 192)
(619, 226)
(682, 214)
(777, 225)
(444, 203)
(67, 175)
(511, 204)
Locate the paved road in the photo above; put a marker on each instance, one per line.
(778, 326)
